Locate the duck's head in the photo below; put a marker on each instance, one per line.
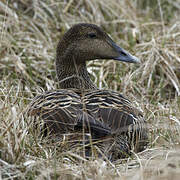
(85, 42)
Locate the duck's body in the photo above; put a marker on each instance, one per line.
(79, 106)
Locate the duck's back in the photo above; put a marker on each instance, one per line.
(102, 113)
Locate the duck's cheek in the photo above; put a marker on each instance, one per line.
(84, 52)
(102, 49)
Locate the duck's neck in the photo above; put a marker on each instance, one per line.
(72, 75)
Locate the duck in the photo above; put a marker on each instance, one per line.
(115, 125)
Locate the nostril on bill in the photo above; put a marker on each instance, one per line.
(123, 53)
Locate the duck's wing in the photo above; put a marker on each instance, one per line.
(64, 111)
(101, 112)
(118, 114)
(114, 110)
(57, 108)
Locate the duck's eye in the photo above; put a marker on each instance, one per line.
(92, 35)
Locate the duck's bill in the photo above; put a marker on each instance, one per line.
(124, 55)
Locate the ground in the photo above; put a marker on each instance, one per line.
(30, 30)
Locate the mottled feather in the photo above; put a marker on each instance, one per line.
(102, 112)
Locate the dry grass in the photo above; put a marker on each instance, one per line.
(28, 34)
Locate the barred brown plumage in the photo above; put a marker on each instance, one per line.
(80, 106)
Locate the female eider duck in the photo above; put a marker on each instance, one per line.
(79, 106)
